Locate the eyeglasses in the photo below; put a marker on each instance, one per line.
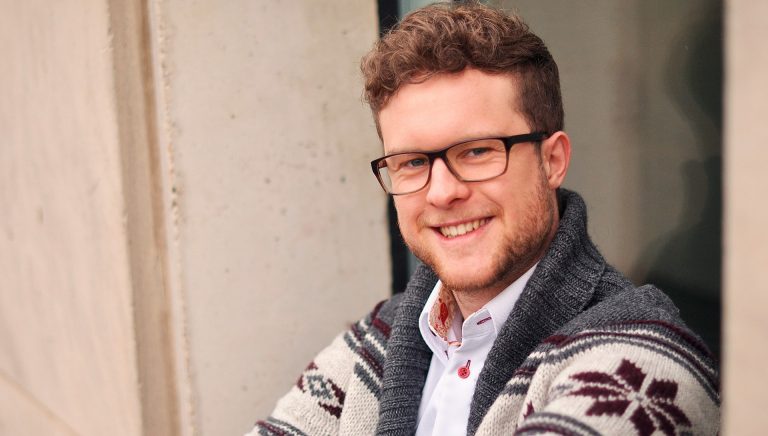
(476, 160)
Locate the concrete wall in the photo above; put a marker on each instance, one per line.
(188, 214)
(68, 363)
(746, 241)
(641, 84)
(279, 232)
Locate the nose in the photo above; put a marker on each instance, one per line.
(444, 188)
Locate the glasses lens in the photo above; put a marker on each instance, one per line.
(404, 173)
(478, 160)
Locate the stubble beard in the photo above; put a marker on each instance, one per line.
(517, 253)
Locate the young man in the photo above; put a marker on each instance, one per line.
(516, 323)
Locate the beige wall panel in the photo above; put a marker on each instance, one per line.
(746, 241)
(280, 229)
(66, 330)
(641, 86)
(23, 415)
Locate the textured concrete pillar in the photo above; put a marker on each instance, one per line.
(68, 360)
(278, 231)
(187, 210)
(746, 241)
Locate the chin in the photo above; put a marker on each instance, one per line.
(493, 272)
(467, 284)
(464, 276)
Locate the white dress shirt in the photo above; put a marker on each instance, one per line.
(459, 349)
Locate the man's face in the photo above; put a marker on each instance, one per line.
(515, 212)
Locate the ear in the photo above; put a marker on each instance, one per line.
(556, 156)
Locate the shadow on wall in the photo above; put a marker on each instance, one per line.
(686, 263)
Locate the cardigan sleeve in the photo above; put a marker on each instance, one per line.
(630, 378)
(314, 404)
(338, 392)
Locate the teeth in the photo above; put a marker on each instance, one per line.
(462, 229)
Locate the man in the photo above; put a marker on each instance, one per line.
(516, 323)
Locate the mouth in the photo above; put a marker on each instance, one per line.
(461, 229)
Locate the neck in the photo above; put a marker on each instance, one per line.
(472, 300)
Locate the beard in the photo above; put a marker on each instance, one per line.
(516, 253)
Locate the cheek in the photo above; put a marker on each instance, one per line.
(406, 214)
(515, 197)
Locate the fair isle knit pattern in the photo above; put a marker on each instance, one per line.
(625, 378)
(338, 392)
(583, 352)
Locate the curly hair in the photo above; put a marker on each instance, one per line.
(447, 38)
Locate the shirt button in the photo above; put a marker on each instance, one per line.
(464, 370)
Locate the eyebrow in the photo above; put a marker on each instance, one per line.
(467, 138)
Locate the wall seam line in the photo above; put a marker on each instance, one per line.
(158, 39)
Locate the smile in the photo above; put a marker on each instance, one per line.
(463, 228)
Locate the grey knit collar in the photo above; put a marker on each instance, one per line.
(560, 288)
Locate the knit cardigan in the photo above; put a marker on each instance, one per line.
(582, 352)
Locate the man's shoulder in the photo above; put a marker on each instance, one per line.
(629, 303)
(629, 349)
(636, 312)
(382, 316)
(413, 298)
(620, 312)
(386, 309)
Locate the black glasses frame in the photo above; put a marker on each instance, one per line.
(508, 141)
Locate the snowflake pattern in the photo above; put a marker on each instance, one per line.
(613, 394)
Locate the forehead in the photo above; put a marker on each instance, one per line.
(449, 108)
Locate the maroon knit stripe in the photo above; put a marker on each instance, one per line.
(383, 327)
(376, 309)
(554, 339)
(374, 364)
(275, 430)
(355, 329)
(695, 342)
(525, 370)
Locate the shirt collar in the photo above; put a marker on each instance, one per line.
(440, 322)
(501, 305)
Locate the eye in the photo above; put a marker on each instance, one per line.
(477, 151)
(417, 162)
(409, 162)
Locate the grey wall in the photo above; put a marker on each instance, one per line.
(642, 91)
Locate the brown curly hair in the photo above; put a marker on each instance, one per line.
(449, 37)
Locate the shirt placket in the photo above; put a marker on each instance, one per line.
(457, 384)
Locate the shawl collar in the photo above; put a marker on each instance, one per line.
(559, 289)
(407, 360)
